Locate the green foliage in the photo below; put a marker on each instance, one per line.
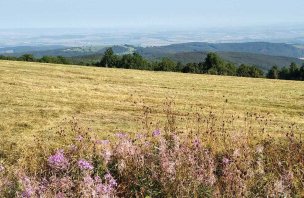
(273, 73)
(256, 72)
(27, 57)
(293, 72)
(44, 59)
(213, 64)
(284, 73)
(166, 65)
(230, 69)
(8, 58)
(133, 61)
(109, 59)
(128, 61)
(54, 59)
(212, 61)
(191, 68)
(302, 72)
(249, 71)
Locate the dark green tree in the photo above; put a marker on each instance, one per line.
(284, 73)
(230, 69)
(179, 67)
(301, 72)
(226, 69)
(294, 71)
(27, 57)
(165, 65)
(133, 61)
(255, 72)
(109, 59)
(46, 59)
(243, 70)
(249, 71)
(273, 73)
(62, 60)
(212, 60)
(191, 68)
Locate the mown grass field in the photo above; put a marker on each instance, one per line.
(37, 97)
(192, 135)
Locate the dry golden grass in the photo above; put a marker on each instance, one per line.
(36, 97)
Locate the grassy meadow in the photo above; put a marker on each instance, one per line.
(37, 100)
(36, 97)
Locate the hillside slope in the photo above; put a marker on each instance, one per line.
(41, 51)
(36, 97)
(262, 54)
(274, 49)
(264, 62)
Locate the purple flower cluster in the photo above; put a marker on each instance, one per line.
(103, 142)
(225, 161)
(108, 187)
(58, 161)
(27, 193)
(84, 165)
(28, 190)
(60, 195)
(170, 159)
(156, 133)
(121, 135)
(110, 180)
(96, 187)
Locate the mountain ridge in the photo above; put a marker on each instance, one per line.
(262, 54)
(274, 49)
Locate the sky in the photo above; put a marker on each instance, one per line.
(149, 13)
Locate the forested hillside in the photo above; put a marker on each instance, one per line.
(275, 49)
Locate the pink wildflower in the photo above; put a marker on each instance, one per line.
(28, 189)
(58, 161)
(84, 165)
(226, 160)
(110, 180)
(156, 133)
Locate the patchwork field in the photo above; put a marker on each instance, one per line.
(36, 97)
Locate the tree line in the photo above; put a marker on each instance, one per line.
(213, 64)
(293, 72)
(44, 59)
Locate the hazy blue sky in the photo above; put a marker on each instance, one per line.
(148, 13)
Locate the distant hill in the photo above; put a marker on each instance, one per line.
(262, 54)
(63, 51)
(264, 62)
(85, 51)
(95, 57)
(274, 49)
(13, 51)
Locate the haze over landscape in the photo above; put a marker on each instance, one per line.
(163, 98)
(149, 23)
